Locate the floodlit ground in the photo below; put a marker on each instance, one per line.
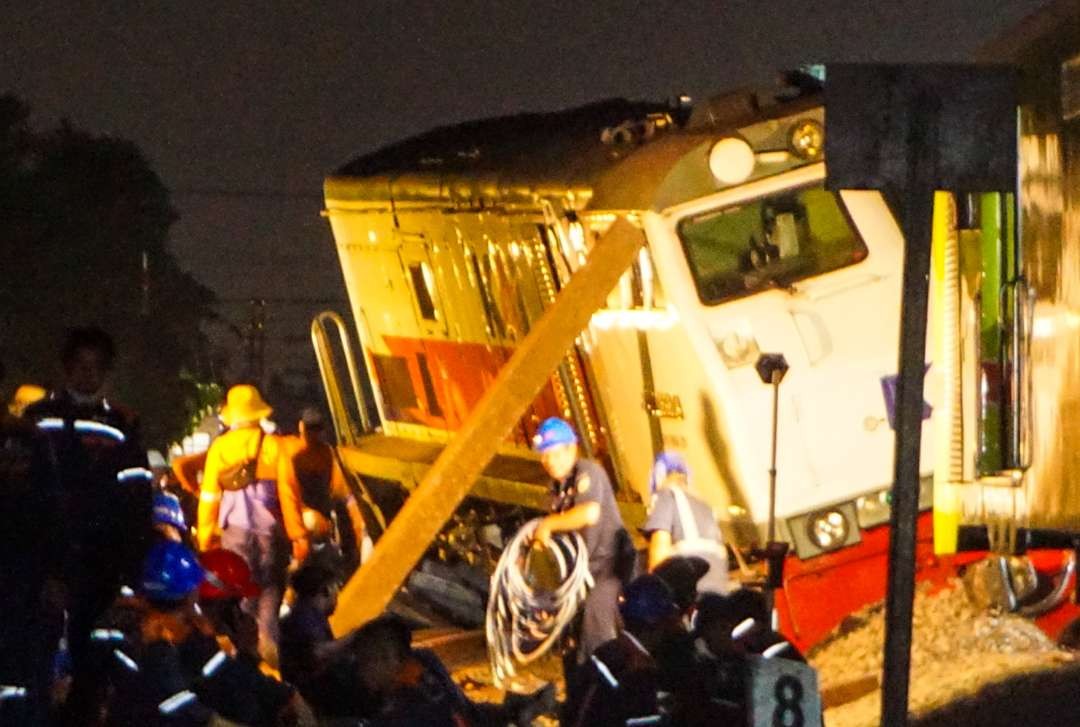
(969, 667)
(465, 654)
(957, 651)
(477, 682)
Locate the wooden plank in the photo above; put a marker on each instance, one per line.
(849, 691)
(452, 475)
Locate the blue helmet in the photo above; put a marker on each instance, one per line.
(553, 432)
(666, 463)
(647, 602)
(167, 510)
(171, 572)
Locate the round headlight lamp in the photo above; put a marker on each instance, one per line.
(828, 529)
(731, 160)
(807, 139)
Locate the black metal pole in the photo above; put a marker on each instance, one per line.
(916, 206)
(776, 375)
(771, 367)
(775, 559)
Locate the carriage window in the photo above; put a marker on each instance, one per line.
(767, 243)
(491, 314)
(392, 373)
(421, 284)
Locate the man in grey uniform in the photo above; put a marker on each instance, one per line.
(583, 501)
(682, 524)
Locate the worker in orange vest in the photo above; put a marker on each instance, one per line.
(186, 470)
(324, 492)
(249, 503)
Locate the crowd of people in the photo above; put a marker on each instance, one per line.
(116, 612)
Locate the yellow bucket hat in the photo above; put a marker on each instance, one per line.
(244, 404)
(25, 395)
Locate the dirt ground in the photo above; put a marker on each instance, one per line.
(969, 668)
(465, 655)
(961, 657)
(479, 686)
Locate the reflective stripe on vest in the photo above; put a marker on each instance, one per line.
(177, 701)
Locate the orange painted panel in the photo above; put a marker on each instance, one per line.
(460, 374)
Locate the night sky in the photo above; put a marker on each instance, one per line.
(243, 110)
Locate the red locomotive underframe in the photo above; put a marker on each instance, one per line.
(820, 592)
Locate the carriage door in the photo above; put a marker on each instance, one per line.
(431, 319)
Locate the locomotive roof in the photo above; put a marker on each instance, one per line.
(507, 160)
(612, 154)
(537, 144)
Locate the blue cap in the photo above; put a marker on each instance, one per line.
(171, 572)
(167, 510)
(666, 463)
(647, 602)
(553, 432)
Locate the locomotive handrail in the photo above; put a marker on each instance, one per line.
(335, 399)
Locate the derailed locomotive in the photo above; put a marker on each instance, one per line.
(455, 242)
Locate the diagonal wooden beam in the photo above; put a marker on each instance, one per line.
(452, 475)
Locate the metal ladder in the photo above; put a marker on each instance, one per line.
(348, 428)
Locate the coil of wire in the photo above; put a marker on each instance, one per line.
(524, 620)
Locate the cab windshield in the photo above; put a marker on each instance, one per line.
(770, 242)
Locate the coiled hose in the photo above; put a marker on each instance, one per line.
(523, 621)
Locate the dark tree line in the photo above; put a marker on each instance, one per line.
(84, 224)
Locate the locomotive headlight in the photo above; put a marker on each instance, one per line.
(807, 139)
(731, 160)
(828, 529)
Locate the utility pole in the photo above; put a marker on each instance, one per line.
(908, 131)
